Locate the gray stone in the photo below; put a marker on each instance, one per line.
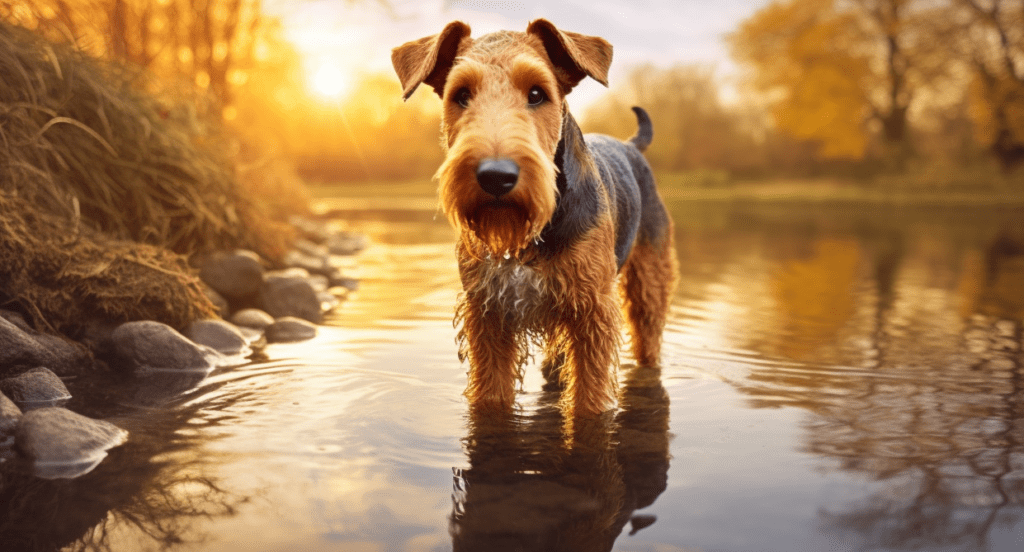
(289, 329)
(327, 301)
(63, 444)
(290, 296)
(312, 263)
(233, 274)
(316, 229)
(310, 248)
(22, 347)
(319, 282)
(252, 318)
(253, 336)
(36, 388)
(17, 347)
(9, 416)
(337, 279)
(346, 243)
(291, 272)
(149, 345)
(220, 304)
(218, 335)
(17, 319)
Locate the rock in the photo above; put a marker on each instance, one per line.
(36, 388)
(319, 282)
(233, 274)
(290, 296)
(337, 279)
(327, 301)
(314, 229)
(252, 318)
(341, 293)
(17, 319)
(219, 302)
(9, 416)
(289, 329)
(253, 336)
(22, 347)
(220, 336)
(292, 272)
(312, 263)
(17, 346)
(346, 243)
(149, 345)
(62, 444)
(310, 248)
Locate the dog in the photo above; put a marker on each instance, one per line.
(548, 219)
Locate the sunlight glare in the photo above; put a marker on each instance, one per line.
(329, 81)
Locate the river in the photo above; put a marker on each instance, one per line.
(834, 377)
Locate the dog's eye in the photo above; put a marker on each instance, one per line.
(536, 96)
(462, 97)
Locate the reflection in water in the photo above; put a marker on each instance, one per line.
(155, 484)
(903, 386)
(538, 482)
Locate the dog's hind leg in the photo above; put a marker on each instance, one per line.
(647, 282)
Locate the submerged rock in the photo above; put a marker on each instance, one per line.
(233, 274)
(36, 388)
(290, 296)
(218, 335)
(10, 414)
(290, 329)
(149, 345)
(63, 444)
(252, 318)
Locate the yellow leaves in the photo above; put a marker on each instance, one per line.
(814, 66)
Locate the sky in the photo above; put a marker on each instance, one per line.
(338, 38)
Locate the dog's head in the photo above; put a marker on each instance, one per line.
(504, 105)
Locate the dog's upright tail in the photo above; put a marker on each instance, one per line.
(645, 133)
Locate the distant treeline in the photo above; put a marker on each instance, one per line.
(920, 90)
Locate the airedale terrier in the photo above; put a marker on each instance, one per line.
(547, 217)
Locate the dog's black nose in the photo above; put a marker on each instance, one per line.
(497, 176)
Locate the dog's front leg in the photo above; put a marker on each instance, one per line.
(493, 351)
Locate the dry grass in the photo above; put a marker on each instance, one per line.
(105, 191)
(72, 129)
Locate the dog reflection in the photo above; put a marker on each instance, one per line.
(543, 482)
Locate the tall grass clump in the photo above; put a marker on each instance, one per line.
(105, 191)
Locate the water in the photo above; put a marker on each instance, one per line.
(833, 379)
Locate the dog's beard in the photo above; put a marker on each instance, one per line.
(502, 226)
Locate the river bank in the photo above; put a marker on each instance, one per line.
(138, 236)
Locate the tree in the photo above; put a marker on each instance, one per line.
(843, 72)
(208, 41)
(991, 38)
(693, 130)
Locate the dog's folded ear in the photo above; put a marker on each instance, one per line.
(429, 59)
(574, 55)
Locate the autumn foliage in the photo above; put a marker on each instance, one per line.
(869, 79)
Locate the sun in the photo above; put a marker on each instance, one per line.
(329, 81)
